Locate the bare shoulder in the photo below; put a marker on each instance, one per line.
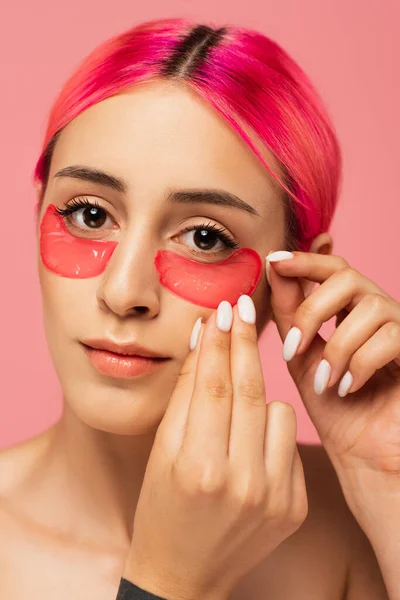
(18, 461)
(326, 556)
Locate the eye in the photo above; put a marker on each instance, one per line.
(84, 215)
(207, 236)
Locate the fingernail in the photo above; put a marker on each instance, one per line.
(280, 255)
(224, 316)
(267, 270)
(268, 267)
(345, 384)
(291, 343)
(322, 376)
(247, 310)
(195, 334)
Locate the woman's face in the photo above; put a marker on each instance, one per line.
(158, 139)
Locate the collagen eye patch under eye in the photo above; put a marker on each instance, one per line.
(207, 284)
(68, 255)
(204, 284)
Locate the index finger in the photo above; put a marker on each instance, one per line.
(173, 424)
(208, 424)
(311, 266)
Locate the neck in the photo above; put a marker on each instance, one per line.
(89, 481)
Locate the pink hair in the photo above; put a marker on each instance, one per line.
(248, 78)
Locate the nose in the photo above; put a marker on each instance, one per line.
(130, 282)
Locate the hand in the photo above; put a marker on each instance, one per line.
(224, 484)
(360, 431)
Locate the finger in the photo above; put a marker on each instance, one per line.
(315, 267)
(249, 411)
(173, 424)
(280, 442)
(286, 296)
(381, 348)
(208, 424)
(358, 327)
(299, 488)
(345, 289)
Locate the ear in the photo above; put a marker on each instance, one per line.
(39, 191)
(322, 244)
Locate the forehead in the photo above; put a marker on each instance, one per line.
(165, 135)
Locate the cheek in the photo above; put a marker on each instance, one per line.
(208, 284)
(68, 255)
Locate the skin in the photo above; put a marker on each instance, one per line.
(72, 490)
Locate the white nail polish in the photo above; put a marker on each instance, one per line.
(291, 343)
(345, 384)
(267, 271)
(280, 255)
(322, 376)
(195, 334)
(224, 316)
(247, 310)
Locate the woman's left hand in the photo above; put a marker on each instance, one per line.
(360, 431)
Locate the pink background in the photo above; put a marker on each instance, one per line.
(351, 52)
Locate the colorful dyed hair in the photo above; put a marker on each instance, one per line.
(244, 75)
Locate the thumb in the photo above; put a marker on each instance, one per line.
(287, 295)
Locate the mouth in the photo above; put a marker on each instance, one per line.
(120, 361)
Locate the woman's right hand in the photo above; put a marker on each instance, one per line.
(224, 484)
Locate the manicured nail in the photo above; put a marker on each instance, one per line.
(224, 316)
(345, 384)
(267, 270)
(279, 255)
(322, 376)
(247, 310)
(268, 267)
(291, 343)
(195, 334)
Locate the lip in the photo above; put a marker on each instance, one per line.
(121, 365)
(125, 349)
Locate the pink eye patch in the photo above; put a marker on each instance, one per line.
(204, 284)
(209, 284)
(68, 255)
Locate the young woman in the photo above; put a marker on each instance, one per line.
(176, 159)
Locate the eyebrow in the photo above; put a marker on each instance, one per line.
(206, 196)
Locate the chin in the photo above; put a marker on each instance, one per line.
(120, 406)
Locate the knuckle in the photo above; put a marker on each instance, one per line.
(359, 363)
(250, 493)
(184, 375)
(299, 510)
(218, 388)
(220, 341)
(195, 480)
(393, 330)
(252, 390)
(350, 275)
(210, 481)
(333, 349)
(342, 262)
(247, 334)
(375, 302)
(278, 507)
(305, 310)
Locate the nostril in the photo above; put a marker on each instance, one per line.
(141, 308)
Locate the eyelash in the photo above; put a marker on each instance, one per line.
(77, 203)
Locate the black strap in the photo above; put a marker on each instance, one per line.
(129, 591)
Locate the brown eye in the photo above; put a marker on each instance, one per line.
(92, 217)
(84, 214)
